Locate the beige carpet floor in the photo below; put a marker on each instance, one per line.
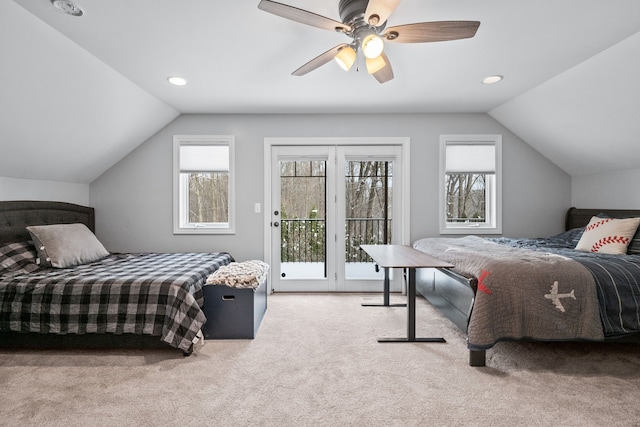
(316, 362)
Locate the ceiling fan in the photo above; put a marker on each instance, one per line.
(365, 21)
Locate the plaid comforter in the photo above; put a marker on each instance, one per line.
(147, 293)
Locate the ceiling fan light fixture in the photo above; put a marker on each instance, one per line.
(346, 57)
(375, 64)
(372, 46)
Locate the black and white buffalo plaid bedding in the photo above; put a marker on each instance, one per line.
(148, 293)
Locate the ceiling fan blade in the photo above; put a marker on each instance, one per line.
(319, 60)
(302, 16)
(386, 73)
(424, 32)
(378, 11)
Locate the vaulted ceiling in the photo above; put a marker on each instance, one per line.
(79, 93)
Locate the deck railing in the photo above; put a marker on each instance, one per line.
(304, 239)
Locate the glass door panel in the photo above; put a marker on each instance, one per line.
(303, 188)
(368, 213)
(369, 203)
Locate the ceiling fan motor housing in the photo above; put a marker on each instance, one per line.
(350, 10)
(352, 13)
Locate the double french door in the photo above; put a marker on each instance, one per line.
(327, 200)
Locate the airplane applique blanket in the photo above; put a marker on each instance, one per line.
(521, 293)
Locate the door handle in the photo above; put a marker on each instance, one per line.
(275, 224)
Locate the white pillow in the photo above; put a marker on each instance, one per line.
(65, 245)
(608, 235)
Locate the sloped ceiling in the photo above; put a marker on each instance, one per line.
(66, 115)
(587, 119)
(83, 92)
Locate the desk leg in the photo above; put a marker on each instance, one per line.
(387, 290)
(411, 305)
(411, 315)
(387, 286)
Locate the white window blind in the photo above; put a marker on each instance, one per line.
(470, 158)
(204, 158)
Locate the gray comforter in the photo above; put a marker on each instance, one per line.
(542, 296)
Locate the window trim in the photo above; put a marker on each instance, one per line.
(494, 207)
(179, 186)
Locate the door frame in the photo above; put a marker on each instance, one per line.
(403, 142)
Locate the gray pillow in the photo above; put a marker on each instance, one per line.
(65, 245)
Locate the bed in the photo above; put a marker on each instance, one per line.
(541, 289)
(59, 287)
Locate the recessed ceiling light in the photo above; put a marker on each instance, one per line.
(178, 81)
(491, 79)
(68, 7)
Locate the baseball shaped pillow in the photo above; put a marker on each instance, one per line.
(608, 235)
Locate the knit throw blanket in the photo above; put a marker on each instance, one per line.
(245, 274)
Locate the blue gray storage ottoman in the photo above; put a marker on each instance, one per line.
(235, 300)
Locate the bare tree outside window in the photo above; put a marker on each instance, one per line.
(368, 206)
(368, 189)
(208, 197)
(303, 211)
(465, 197)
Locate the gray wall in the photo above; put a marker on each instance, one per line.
(35, 189)
(613, 190)
(133, 199)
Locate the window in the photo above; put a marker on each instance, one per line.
(203, 184)
(470, 184)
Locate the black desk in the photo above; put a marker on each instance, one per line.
(400, 256)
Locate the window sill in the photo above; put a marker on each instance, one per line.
(471, 230)
(203, 230)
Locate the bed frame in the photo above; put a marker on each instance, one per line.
(15, 216)
(453, 295)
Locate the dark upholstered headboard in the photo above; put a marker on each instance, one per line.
(15, 215)
(580, 217)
